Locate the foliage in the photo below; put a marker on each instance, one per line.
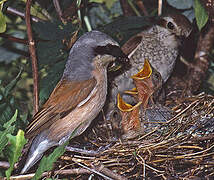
(9, 129)
(14, 149)
(7, 102)
(200, 14)
(46, 163)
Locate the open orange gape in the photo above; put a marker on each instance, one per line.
(147, 81)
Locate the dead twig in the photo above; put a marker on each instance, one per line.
(95, 171)
(101, 168)
(58, 172)
(89, 152)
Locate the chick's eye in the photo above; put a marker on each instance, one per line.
(170, 26)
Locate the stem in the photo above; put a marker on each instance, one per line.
(87, 23)
(14, 39)
(15, 12)
(160, 4)
(33, 56)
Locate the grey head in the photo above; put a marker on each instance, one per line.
(79, 64)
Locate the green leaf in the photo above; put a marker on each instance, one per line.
(15, 149)
(12, 84)
(6, 112)
(46, 163)
(200, 14)
(2, 22)
(9, 129)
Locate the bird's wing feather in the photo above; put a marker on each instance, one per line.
(131, 44)
(65, 97)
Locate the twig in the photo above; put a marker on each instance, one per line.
(94, 171)
(59, 172)
(101, 168)
(15, 12)
(160, 4)
(87, 23)
(142, 161)
(4, 164)
(58, 9)
(14, 39)
(142, 7)
(204, 138)
(33, 57)
(89, 152)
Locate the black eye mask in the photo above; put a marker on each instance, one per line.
(111, 50)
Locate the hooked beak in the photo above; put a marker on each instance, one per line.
(121, 59)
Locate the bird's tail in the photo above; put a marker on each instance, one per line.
(40, 144)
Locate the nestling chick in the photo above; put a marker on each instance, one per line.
(78, 97)
(147, 82)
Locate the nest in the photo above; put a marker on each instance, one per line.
(180, 148)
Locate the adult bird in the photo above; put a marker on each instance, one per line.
(78, 97)
(159, 44)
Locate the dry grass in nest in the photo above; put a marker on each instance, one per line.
(181, 148)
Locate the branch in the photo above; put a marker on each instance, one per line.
(197, 72)
(15, 12)
(142, 7)
(109, 173)
(14, 39)
(58, 9)
(160, 4)
(4, 165)
(33, 56)
(58, 172)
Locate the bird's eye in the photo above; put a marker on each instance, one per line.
(170, 26)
